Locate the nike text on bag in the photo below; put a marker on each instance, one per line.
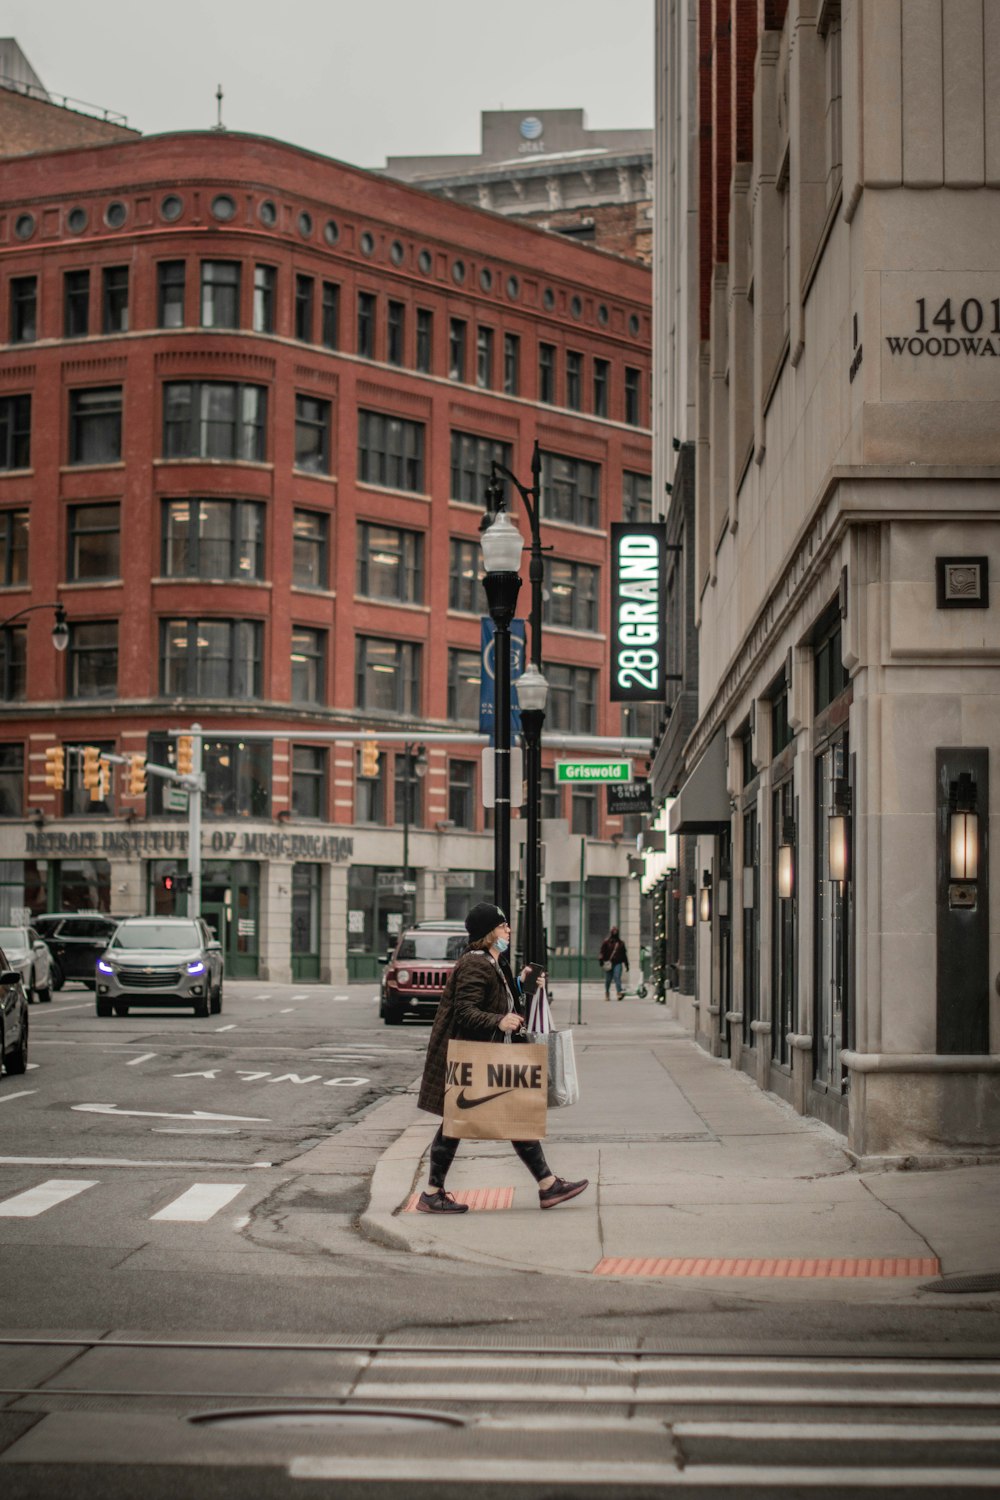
(494, 1092)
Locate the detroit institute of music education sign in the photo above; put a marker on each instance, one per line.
(156, 843)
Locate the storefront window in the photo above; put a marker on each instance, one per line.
(601, 912)
(375, 914)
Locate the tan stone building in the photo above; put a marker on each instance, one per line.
(827, 371)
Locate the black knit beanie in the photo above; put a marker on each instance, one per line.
(482, 919)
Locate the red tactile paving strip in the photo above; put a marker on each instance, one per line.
(480, 1200)
(815, 1269)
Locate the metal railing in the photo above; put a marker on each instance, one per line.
(61, 101)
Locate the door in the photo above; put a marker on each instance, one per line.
(305, 921)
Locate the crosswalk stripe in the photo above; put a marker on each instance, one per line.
(200, 1202)
(37, 1200)
(770, 1479)
(596, 1394)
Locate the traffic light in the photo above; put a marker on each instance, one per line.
(102, 786)
(185, 754)
(91, 766)
(369, 758)
(55, 767)
(170, 882)
(136, 775)
(177, 883)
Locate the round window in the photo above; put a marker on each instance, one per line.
(486, 279)
(267, 213)
(633, 326)
(115, 215)
(396, 253)
(331, 231)
(76, 220)
(305, 224)
(367, 243)
(548, 299)
(513, 287)
(576, 307)
(171, 208)
(602, 313)
(223, 207)
(458, 271)
(24, 226)
(424, 262)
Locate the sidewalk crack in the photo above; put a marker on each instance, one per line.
(903, 1219)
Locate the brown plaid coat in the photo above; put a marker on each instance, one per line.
(474, 999)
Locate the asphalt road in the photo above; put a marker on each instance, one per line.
(178, 1236)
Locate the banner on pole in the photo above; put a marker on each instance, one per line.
(487, 691)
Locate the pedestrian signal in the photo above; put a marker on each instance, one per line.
(177, 884)
(185, 754)
(369, 758)
(55, 767)
(91, 766)
(136, 775)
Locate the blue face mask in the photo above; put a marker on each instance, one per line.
(502, 944)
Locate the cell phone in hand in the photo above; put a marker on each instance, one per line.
(533, 973)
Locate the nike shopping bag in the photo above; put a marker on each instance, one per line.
(495, 1092)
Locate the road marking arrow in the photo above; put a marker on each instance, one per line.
(153, 1114)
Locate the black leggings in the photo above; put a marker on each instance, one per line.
(443, 1148)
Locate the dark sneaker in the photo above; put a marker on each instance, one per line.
(440, 1202)
(560, 1192)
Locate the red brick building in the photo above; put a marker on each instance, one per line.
(248, 401)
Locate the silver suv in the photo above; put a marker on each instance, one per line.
(160, 961)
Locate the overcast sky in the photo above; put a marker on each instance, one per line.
(356, 79)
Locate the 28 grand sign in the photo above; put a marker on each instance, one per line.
(638, 612)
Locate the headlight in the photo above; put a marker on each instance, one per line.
(196, 966)
(103, 967)
(402, 976)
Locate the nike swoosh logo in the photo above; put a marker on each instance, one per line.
(464, 1103)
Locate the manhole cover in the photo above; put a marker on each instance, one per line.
(377, 1419)
(989, 1281)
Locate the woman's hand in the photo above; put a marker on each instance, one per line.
(511, 1021)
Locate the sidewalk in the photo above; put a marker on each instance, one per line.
(690, 1166)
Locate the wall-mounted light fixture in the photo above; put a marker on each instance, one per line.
(689, 911)
(963, 829)
(705, 897)
(838, 831)
(786, 860)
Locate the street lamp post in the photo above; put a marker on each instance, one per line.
(414, 763)
(60, 630)
(502, 545)
(532, 693)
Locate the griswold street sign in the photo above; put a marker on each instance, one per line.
(593, 770)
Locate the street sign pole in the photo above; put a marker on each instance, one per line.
(582, 933)
(194, 823)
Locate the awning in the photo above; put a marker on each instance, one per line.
(702, 805)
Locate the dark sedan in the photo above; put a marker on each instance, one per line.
(13, 1019)
(76, 941)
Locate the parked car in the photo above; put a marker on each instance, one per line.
(75, 940)
(160, 961)
(418, 968)
(27, 953)
(13, 1019)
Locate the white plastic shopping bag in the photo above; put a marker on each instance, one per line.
(564, 1087)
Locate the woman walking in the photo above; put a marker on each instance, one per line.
(480, 1004)
(614, 957)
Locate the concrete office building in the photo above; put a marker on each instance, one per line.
(827, 378)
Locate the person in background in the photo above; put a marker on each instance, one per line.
(481, 1002)
(614, 958)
